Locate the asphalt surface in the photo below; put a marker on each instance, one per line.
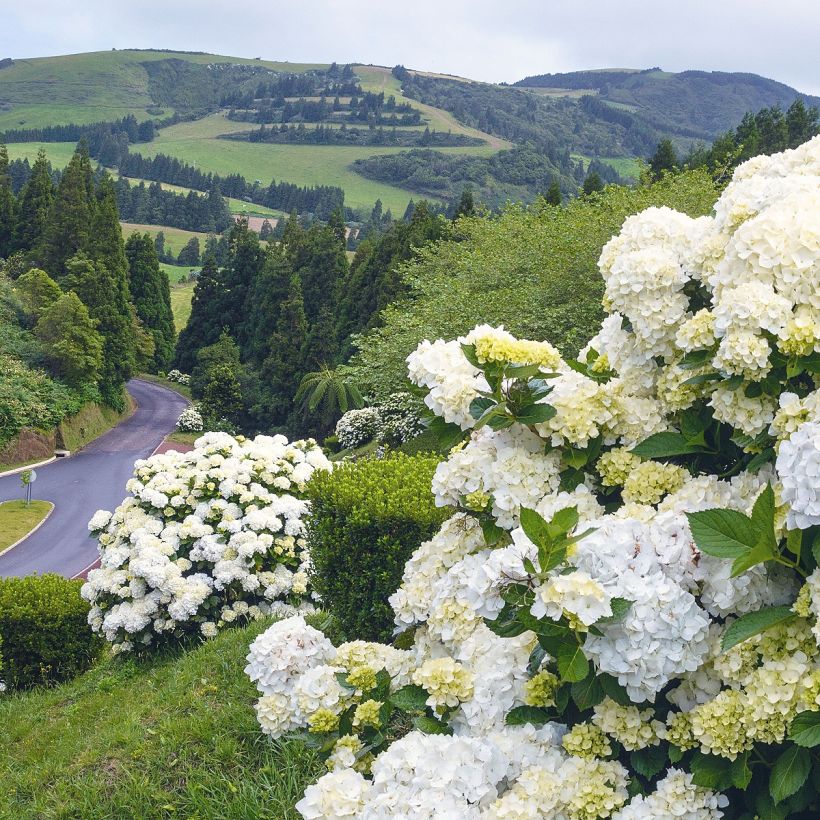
(92, 479)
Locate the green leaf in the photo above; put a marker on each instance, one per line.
(620, 606)
(753, 623)
(410, 698)
(703, 378)
(761, 458)
(492, 532)
(446, 433)
(479, 406)
(757, 555)
(523, 371)
(722, 533)
(695, 359)
(789, 773)
(740, 772)
(535, 413)
(649, 761)
(710, 771)
(663, 445)
(613, 690)
(763, 516)
(563, 521)
(805, 729)
(469, 354)
(527, 714)
(675, 754)
(588, 692)
(431, 726)
(572, 663)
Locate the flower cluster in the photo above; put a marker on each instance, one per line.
(178, 377)
(190, 420)
(357, 427)
(206, 537)
(626, 605)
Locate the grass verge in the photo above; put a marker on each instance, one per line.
(17, 520)
(179, 437)
(173, 736)
(90, 423)
(182, 389)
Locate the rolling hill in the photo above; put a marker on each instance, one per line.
(367, 129)
(696, 104)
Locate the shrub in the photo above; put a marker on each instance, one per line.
(44, 630)
(366, 519)
(635, 553)
(357, 427)
(190, 420)
(207, 537)
(400, 418)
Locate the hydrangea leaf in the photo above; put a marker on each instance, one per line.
(722, 533)
(805, 729)
(753, 623)
(527, 714)
(572, 663)
(664, 445)
(410, 698)
(789, 773)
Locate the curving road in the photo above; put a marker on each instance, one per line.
(91, 480)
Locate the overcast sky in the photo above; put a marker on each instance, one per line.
(502, 40)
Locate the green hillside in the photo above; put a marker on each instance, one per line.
(100, 85)
(175, 736)
(699, 104)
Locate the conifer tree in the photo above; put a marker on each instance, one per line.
(70, 218)
(553, 194)
(35, 206)
(206, 322)
(37, 290)
(267, 293)
(282, 370)
(8, 205)
(151, 295)
(97, 288)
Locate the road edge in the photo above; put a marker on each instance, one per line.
(25, 467)
(31, 531)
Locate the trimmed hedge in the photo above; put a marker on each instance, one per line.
(366, 519)
(44, 630)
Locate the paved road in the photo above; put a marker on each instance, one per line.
(91, 480)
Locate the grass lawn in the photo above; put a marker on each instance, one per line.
(175, 238)
(17, 520)
(181, 296)
(300, 164)
(174, 736)
(183, 438)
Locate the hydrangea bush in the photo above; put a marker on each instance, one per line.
(394, 421)
(357, 427)
(190, 420)
(621, 620)
(179, 377)
(206, 537)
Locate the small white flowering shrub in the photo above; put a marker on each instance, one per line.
(190, 420)
(178, 377)
(622, 620)
(400, 420)
(357, 427)
(206, 537)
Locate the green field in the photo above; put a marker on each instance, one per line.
(301, 164)
(181, 295)
(58, 153)
(100, 85)
(175, 238)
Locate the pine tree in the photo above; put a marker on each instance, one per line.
(267, 293)
(466, 205)
(98, 289)
(593, 183)
(35, 206)
(189, 255)
(282, 370)
(664, 159)
(69, 221)
(151, 295)
(8, 206)
(553, 195)
(205, 323)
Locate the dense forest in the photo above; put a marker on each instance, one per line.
(80, 310)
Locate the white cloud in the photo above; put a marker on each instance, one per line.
(482, 39)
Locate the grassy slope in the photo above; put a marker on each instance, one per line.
(175, 238)
(17, 519)
(181, 296)
(105, 85)
(100, 85)
(173, 737)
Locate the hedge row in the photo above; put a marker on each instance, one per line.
(367, 517)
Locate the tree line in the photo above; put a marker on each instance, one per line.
(328, 135)
(265, 317)
(102, 305)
